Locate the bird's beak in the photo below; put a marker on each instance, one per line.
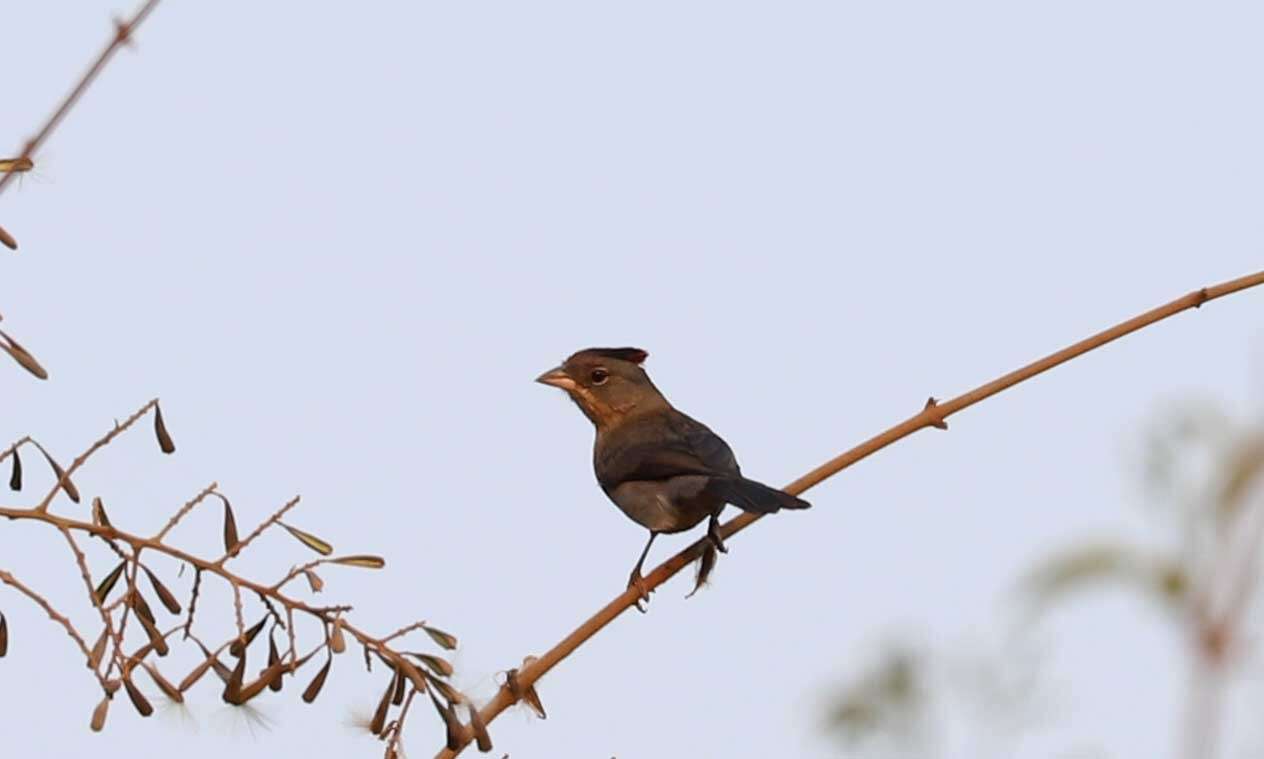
(557, 378)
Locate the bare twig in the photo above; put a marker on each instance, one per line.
(122, 36)
(184, 510)
(8, 579)
(82, 458)
(932, 415)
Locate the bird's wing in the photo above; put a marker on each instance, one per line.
(673, 446)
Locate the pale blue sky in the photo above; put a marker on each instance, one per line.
(340, 240)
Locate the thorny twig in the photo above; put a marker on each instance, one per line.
(933, 414)
(123, 31)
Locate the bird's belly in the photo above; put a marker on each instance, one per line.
(671, 505)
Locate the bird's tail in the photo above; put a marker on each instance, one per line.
(754, 497)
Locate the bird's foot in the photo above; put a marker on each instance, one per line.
(713, 535)
(642, 590)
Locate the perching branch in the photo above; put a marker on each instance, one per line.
(932, 415)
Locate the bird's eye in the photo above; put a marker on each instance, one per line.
(599, 376)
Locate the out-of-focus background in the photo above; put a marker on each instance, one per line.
(339, 240)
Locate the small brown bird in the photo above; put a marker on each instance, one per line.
(663, 469)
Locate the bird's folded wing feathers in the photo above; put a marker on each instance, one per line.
(685, 447)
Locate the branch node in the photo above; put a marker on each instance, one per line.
(936, 421)
(123, 33)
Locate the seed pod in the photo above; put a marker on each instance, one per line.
(400, 688)
(413, 674)
(240, 645)
(378, 724)
(164, 685)
(455, 730)
(160, 431)
(274, 658)
(318, 682)
(309, 540)
(4, 635)
(156, 638)
(230, 528)
(483, 739)
(526, 694)
(99, 517)
(15, 474)
(20, 354)
(164, 595)
(71, 491)
(337, 643)
(449, 693)
(361, 560)
(436, 664)
(99, 714)
(446, 640)
(232, 689)
(16, 165)
(195, 674)
(314, 580)
(140, 606)
(107, 584)
(7, 240)
(256, 686)
(139, 701)
(533, 700)
(98, 649)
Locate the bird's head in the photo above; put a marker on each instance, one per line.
(607, 384)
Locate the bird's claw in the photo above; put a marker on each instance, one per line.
(643, 592)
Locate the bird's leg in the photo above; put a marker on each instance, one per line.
(635, 580)
(713, 533)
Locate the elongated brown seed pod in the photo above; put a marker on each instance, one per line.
(160, 431)
(313, 688)
(230, 528)
(107, 584)
(15, 474)
(164, 595)
(309, 540)
(99, 714)
(143, 707)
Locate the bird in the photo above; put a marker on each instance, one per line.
(664, 469)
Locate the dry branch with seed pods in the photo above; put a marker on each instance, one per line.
(139, 618)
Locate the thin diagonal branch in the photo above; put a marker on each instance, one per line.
(82, 458)
(8, 579)
(122, 35)
(933, 415)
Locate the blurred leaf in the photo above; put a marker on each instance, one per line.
(1243, 465)
(1095, 566)
(888, 699)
